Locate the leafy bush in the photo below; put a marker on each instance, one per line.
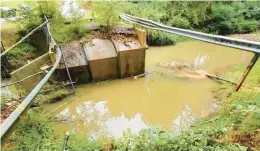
(21, 50)
(20, 55)
(33, 18)
(158, 38)
(78, 31)
(106, 12)
(248, 26)
(215, 17)
(3, 14)
(65, 33)
(229, 19)
(34, 133)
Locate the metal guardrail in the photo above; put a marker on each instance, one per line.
(19, 110)
(247, 45)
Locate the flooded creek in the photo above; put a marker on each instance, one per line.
(160, 98)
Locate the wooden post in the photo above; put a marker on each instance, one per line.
(248, 69)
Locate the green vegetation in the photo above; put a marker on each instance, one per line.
(52, 93)
(33, 18)
(21, 54)
(210, 17)
(37, 133)
(65, 33)
(162, 38)
(107, 12)
(252, 80)
(234, 18)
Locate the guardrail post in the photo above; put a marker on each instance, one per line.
(246, 72)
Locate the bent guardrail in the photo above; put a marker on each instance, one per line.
(247, 45)
(19, 110)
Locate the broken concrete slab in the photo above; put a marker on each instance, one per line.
(131, 56)
(76, 62)
(102, 59)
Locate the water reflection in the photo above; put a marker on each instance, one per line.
(199, 61)
(184, 121)
(98, 121)
(117, 125)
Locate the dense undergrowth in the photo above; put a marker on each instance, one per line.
(210, 17)
(63, 33)
(159, 38)
(234, 127)
(21, 55)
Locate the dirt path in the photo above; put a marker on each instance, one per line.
(7, 109)
(251, 36)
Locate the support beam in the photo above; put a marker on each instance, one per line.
(246, 72)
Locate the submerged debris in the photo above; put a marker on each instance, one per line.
(177, 66)
(184, 70)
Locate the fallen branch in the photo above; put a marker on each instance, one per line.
(218, 78)
(25, 37)
(141, 75)
(22, 79)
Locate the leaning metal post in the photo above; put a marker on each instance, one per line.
(68, 73)
(246, 72)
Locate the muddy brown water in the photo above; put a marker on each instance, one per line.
(109, 108)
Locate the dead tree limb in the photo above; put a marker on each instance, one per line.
(25, 37)
(220, 78)
(223, 79)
